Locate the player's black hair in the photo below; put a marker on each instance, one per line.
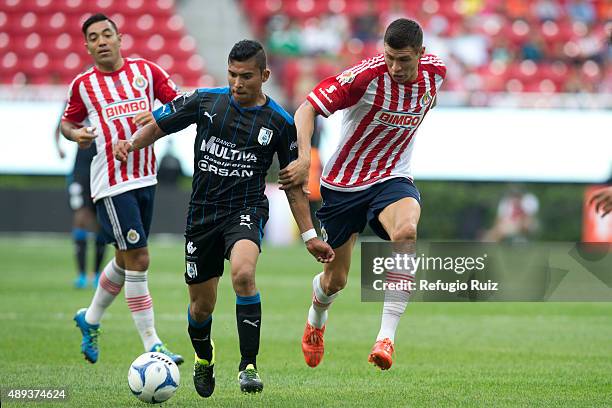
(94, 19)
(403, 33)
(247, 49)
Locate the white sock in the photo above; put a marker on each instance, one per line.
(395, 302)
(141, 305)
(317, 314)
(109, 286)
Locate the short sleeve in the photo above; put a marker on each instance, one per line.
(164, 88)
(434, 64)
(286, 148)
(179, 113)
(75, 110)
(341, 91)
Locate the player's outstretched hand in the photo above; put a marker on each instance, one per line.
(603, 201)
(121, 150)
(84, 136)
(320, 250)
(294, 175)
(143, 119)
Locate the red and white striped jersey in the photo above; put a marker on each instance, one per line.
(380, 120)
(110, 101)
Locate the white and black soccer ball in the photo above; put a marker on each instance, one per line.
(153, 377)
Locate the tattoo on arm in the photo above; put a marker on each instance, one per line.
(291, 197)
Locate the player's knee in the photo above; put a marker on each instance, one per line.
(142, 262)
(137, 259)
(201, 309)
(243, 279)
(404, 232)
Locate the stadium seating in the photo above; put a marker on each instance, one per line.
(41, 40)
(530, 46)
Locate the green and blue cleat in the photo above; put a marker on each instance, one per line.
(161, 348)
(90, 333)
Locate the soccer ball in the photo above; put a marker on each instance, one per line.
(153, 377)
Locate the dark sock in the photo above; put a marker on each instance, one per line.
(100, 248)
(199, 333)
(80, 245)
(248, 320)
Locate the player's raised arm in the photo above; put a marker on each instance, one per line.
(296, 173)
(298, 201)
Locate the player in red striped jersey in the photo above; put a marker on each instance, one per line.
(384, 99)
(116, 96)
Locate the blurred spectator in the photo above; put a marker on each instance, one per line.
(305, 82)
(470, 7)
(470, 47)
(283, 36)
(434, 36)
(501, 50)
(591, 44)
(395, 11)
(320, 37)
(581, 10)
(366, 26)
(517, 8)
(533, 49)
(484, 43)
(546, 10)
(573, 84)
(516, 217)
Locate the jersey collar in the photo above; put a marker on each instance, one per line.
(113, 72)
(251, 109)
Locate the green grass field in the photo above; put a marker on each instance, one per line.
(447, 354)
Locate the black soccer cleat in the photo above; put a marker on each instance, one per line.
(249, 380)
(204, 378)
(204, 374)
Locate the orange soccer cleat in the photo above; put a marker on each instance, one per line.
(382, 354)
(312, 345)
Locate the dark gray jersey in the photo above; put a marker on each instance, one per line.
(233, 150)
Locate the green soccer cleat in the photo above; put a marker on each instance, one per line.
(204, 374)
(161, 348)
(249, 380)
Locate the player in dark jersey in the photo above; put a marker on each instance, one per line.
(84, 212)
(239, 129)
